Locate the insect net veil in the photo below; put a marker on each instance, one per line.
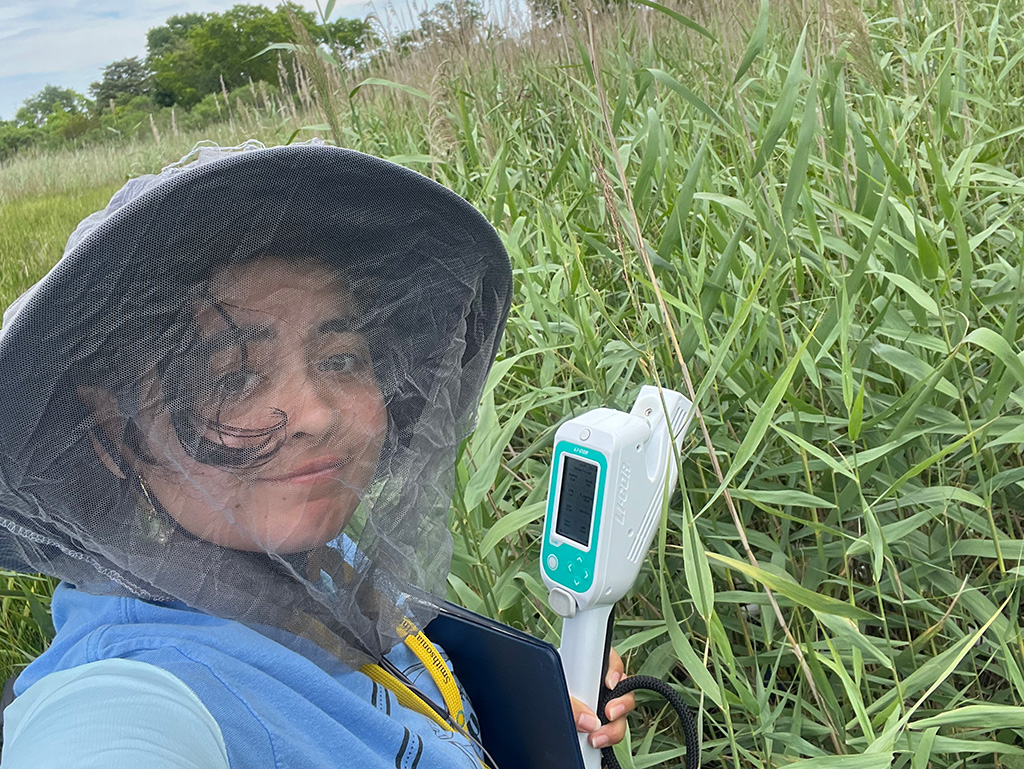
(243, 388)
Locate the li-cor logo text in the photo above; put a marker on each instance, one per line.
(622, 494)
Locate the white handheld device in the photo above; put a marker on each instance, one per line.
(609, 476)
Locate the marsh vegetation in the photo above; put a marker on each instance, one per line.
(810, 214)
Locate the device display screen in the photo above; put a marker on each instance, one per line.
(576, 500)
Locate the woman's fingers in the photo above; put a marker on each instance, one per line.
(616, 710)
(585, 718)
(615, 669)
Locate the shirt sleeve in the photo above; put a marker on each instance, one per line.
(115, 714)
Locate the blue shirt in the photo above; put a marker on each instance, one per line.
(273, 706)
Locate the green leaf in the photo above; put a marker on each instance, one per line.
(989, 340)
(409, 160)
(734, 204)
(511, 523)
(911, 365)
(915, 292)
(277, 47)
(895, 531)
(464, 594)
(672, 237)
(783, 111)
(984, 717)
(794, 592)
(856, 415)
(652, 153)
(666, 79)
(895, 172)
(391, 84)
(684, 20)
(559, 169)
(923, 752)
(487, 459)
(1014, 435)
(785, 497)
(948, 668)
(816, 452)
(756, 43)
(759, 427)
(861, 761)
(693, 665)
(927, 255)
(876, 541)
(930, 673)
(696, 567)
(801, 156)
(945, 91)
(846, 629)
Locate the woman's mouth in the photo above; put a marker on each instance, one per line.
(314, 471)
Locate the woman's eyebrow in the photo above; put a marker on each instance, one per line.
(340, 325)
(230, 337)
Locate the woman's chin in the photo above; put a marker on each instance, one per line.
(319, 523)
(295, 537)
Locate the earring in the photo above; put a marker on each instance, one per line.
(151, 524)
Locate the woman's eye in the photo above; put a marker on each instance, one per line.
(347, 363)
(237, 382)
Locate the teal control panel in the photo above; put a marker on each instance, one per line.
(575, 504)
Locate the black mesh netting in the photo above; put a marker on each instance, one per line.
(243, 387)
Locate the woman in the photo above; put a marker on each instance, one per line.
(231, 413)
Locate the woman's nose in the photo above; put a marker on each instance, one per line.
(312, 409)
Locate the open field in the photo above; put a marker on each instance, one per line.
(813, 220)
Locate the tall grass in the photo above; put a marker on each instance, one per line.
(815, 213)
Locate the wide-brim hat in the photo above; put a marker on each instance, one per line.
(426, 256)
(379, 222)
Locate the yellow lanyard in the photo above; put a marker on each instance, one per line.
(428, 654)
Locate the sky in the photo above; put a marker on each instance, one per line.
(69, 42)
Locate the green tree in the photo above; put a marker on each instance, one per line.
(160, 40)
(69, 126)
(347, 36)
(547, 11)
(37, 108)
(122, 81)
(449, 19)
(192, 54)
(223, 47)
(15, 137)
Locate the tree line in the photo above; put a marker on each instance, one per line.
(192, 62)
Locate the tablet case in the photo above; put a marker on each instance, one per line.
(517, 687)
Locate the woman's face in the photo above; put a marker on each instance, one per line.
(281, 347)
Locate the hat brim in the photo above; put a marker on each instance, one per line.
(373, 219)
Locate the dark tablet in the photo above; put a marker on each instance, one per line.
(517, 687)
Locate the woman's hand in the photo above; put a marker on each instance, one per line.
(616, 710)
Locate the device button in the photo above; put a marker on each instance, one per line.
(570, 567)
(584, 434)
(562, 602)
(552, 562)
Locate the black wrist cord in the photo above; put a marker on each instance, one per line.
(626, 685)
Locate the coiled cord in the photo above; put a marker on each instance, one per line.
(632, 683)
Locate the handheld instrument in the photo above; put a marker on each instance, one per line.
(609, 477)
